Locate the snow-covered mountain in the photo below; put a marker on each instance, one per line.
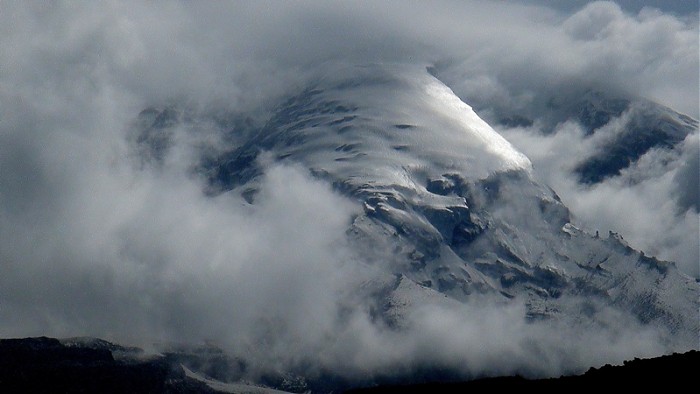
(451, 212)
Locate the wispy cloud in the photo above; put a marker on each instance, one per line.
(91, 243)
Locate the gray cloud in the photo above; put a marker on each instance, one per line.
(676, 7)
(651, 54)
(642, 203)
(687, 179)
(91, 243)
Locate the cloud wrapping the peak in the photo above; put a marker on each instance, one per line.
(95, 242)
(651, 54)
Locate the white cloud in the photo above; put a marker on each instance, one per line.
(641, 204)
(92, 244)
(650, 54)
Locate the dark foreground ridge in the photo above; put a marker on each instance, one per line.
(674, 370)
(47, 365)
(85, 365)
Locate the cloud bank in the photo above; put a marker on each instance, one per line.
(650, 204)
(651, 54)
(94, 243)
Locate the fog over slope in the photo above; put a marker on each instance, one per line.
(101, 238)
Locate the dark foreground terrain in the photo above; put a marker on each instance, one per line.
(665, 371)
(91, 365)
(46, 365)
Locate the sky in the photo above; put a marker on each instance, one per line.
(94, 243)
(676, 7)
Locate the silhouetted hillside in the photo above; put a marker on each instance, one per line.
(45, 365)
(87, 365)
(671, 370)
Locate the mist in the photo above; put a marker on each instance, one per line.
(94, 241)
(657, 189)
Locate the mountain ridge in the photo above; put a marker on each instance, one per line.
(42, 364)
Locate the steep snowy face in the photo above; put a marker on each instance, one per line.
(620, 163)
(379, 125)
(441, 101)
